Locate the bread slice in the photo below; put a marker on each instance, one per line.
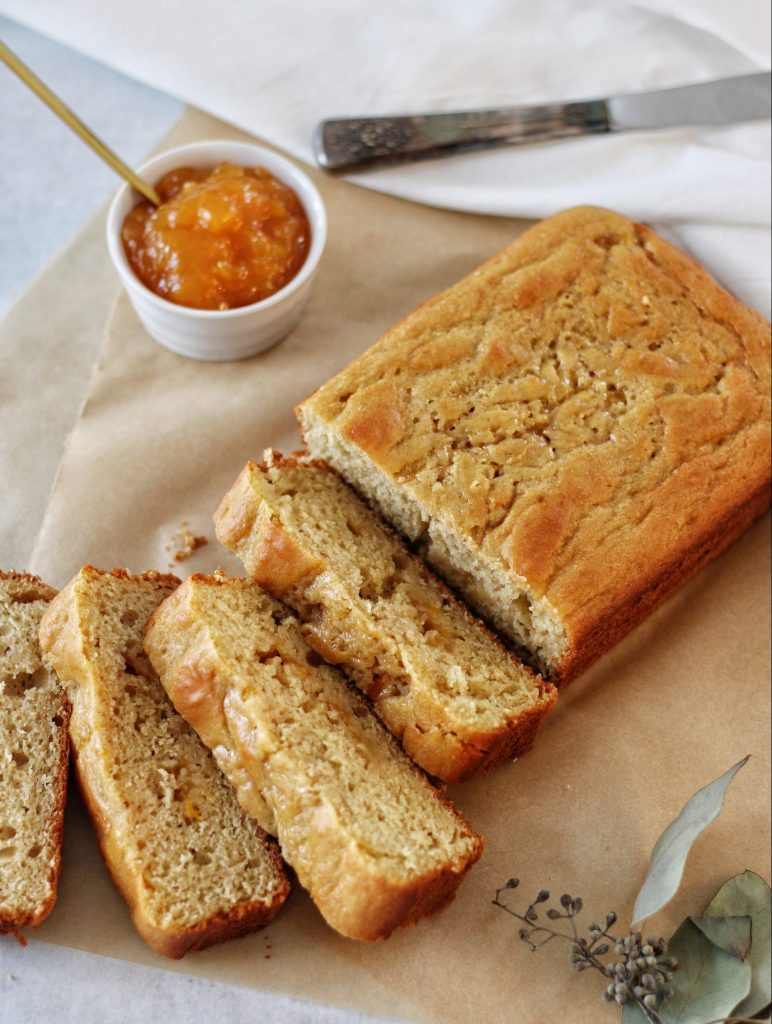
(439, 680)
(34, 752)
(374, 843)
(569, 433)
(192, 866)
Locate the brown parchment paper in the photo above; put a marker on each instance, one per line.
(684, 697)
(49, 341)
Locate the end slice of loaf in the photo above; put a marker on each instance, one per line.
(34, 749)
(439, 680)
(370, 838)
(192, 866)
(570, 432)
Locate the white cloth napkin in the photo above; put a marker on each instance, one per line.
(276, 69)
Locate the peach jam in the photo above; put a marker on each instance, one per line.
(221, 238)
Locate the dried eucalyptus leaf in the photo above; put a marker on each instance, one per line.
(672, 847)
(749, 894)
(708, 984)
(732, 934)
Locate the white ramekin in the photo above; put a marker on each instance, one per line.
(212, 334)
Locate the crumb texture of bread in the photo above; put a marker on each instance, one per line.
(34, 753)
(369, 837)
(438, 679)
(192, 866)
(569, 433)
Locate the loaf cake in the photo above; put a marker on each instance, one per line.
(34, 749)
(568, 434)
(439, 680)
(369, 837)
(192, 866)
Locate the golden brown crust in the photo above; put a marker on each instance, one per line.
(582, 415)
(148, 576)
(38, 589)
(276, 557)
(11, 924)
(640, 601)
(357, 899)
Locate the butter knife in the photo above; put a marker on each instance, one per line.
(344, 143)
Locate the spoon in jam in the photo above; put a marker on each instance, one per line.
(72, 121)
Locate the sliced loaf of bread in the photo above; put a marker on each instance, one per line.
(34, 750)
(569, 433)
(192, 866)
(439, 680)
(371, 839)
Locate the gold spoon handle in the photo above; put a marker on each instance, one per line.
(73, 121)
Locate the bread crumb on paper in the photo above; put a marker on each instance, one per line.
(185, 543)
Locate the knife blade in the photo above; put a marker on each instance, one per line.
(344, 143)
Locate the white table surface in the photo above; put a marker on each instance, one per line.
(50, 184)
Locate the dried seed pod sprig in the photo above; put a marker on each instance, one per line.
(725, 954)
(641, 973)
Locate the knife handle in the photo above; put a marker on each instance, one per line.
(349, 142)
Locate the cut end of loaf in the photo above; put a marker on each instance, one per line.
(530, 623)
